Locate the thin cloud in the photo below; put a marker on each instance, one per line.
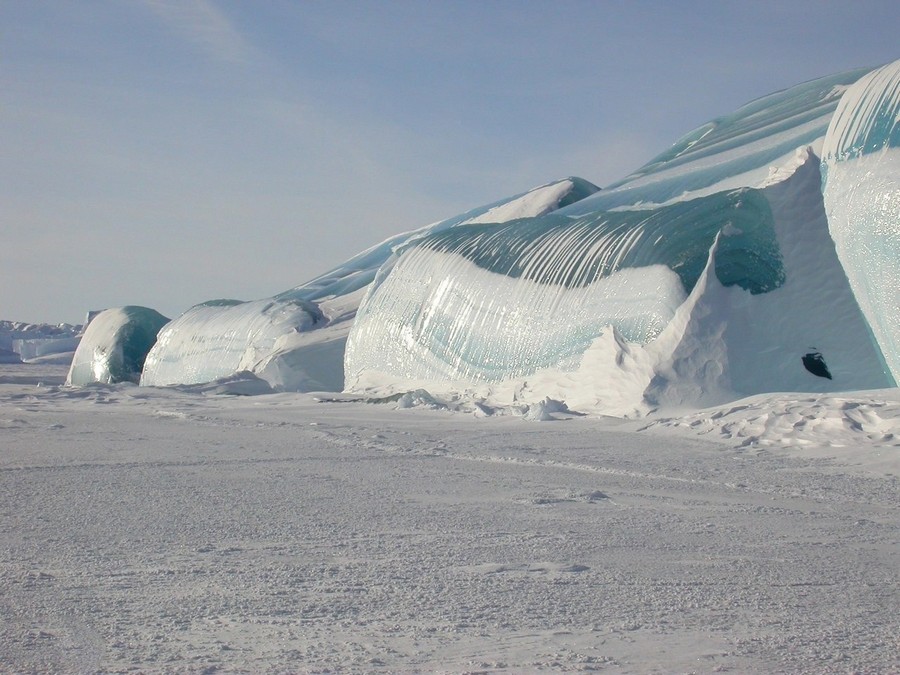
(208, 28)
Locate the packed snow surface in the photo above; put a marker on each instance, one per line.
(189, 530)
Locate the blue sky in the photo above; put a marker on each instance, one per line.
(163, 153)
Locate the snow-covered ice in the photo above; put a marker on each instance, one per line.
(191, 530)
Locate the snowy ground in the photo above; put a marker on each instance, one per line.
(180, 531)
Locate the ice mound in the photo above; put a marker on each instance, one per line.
(115, 346)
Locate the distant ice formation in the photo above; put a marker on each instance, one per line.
(32, 343)
(114, 346)
(709, 274)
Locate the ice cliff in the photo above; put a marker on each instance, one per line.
(736, 262)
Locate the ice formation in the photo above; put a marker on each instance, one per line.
(33, 343)
(295, 340)
(219, 338)
(861, 159)
(115, 345)
(706, 275)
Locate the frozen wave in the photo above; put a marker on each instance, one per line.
(295, 340)
(706, 275)
(624, 318)
(862, 195)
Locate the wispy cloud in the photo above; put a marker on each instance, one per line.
(206, 26)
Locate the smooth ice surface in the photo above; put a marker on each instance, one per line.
(862, 196)
(115, 345)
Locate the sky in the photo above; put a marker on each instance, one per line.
(163, 153)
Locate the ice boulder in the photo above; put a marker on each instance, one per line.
(861, 167)
(219, 338)
(115, 345)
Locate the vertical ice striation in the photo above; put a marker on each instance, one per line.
(439, 316)
(360, 270)
(861, 186)
(489, 302)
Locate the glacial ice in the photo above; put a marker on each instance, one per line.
(708, 274)
(861, 160)
(115, 345)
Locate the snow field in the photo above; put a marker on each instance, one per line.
(167, 530)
